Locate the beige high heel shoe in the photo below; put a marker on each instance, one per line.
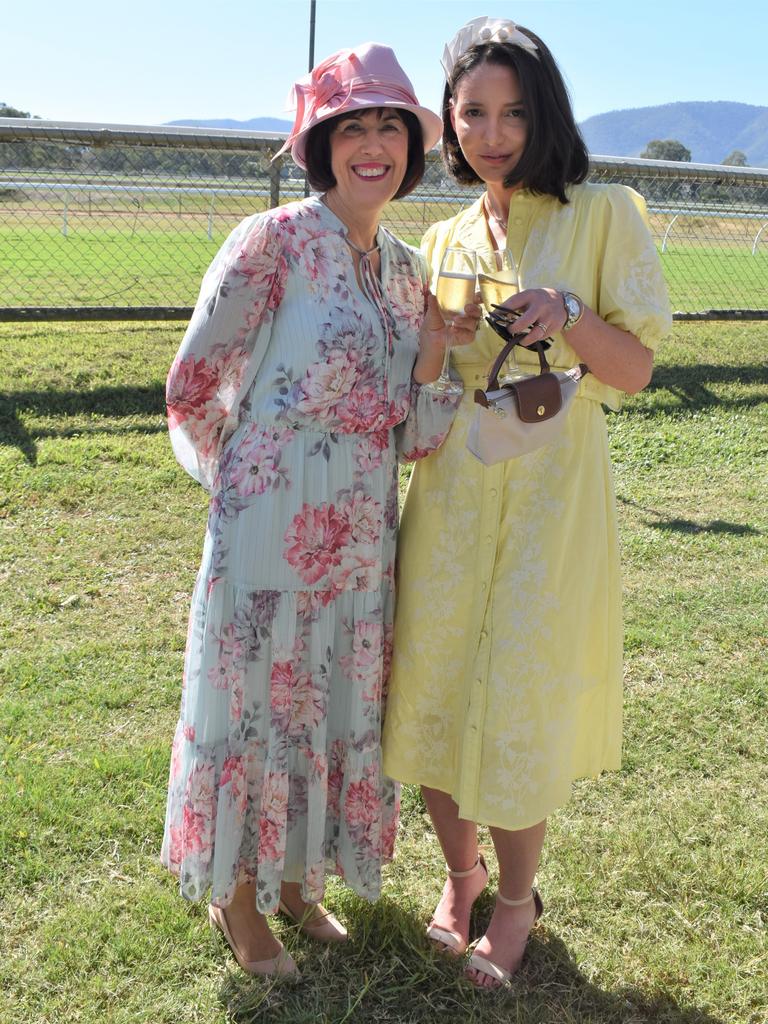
(280, 966)
(317, 922)
(485, 966)
(449, 941)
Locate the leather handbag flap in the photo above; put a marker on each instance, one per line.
(538, 398)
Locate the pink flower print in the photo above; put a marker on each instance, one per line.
(236, 701)
(316, 261)
(274, 810)
(407, 297)
(367, 455)
(223, 675)
(191, 385)
(308, 706)
(189, 733)
(363, 665)
(233, 773)
(281, 692)
(205, 429)
(327, 383)
(361, 805)
(254, 466)
(308, 602)
(364, 515)
(198, 811)
(361, 410)
(337, 762)
(316, 538)
(175, 847)
(228, 367)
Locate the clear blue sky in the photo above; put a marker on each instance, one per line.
(150, 62)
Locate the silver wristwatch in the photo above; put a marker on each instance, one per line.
(574, 309)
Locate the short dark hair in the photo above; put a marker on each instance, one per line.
(555, 153)
(317, 152)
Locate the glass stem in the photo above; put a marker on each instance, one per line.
(444, 373)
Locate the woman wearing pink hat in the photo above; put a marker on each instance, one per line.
(296, 389)
(507, 672)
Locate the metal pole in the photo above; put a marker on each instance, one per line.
(312, 4)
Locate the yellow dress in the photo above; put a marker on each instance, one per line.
(506, 680)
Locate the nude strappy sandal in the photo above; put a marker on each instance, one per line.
(280, 966)
(452, 942)
(480, 963)
(324, 926)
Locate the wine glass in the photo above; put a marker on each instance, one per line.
(456, 283)
(496, 285)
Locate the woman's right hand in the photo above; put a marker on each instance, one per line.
(437, 331)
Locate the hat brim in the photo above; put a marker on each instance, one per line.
(431, 124)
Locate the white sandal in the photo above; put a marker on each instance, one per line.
(488, 967)
(450, 941)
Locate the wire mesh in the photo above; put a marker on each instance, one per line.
(105, 222)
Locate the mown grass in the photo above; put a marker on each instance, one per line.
(654, 877)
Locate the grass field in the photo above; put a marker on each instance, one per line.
(156, 256)
(654, 877)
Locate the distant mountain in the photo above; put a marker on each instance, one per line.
(710, 130)
(256, 124)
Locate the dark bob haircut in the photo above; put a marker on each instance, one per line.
(555, 154)
(317, 154)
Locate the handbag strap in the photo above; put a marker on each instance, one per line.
(493, 376)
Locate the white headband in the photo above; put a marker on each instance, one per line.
(484, 30)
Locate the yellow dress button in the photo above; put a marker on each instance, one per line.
(489, 539)
(493, 492)
(518, 221)
(483, 636)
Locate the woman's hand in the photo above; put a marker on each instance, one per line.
(437, 332)
(541, 309)
(614, 356)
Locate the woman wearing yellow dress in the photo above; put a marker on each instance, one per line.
(507, 673)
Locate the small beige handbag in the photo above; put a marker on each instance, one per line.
(520, 416)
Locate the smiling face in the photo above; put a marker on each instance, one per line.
(489, 118)
(369, 157)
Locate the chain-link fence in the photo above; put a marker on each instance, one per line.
(110, 222)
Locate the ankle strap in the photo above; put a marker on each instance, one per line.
(515, 903)
(469, 871)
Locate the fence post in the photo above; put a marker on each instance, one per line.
(274, 183)
(210, 217)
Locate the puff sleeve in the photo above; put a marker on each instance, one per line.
(224, 344)
(632, 291)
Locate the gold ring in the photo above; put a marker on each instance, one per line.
(542, 327)
(449, 324)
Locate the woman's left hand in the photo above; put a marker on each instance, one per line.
(541, 309)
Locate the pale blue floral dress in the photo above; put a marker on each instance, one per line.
(291, 399)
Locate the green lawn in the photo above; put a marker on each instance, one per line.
(654, 877)
(157, 258)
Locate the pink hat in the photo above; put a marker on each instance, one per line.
(367, 76)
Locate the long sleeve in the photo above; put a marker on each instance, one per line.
(224, 344)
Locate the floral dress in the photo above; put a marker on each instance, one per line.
(291, 399)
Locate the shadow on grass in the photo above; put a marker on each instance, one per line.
(387, 974)
(679, 525)
(110, 402)
(691, 385)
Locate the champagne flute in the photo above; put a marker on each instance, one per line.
(495, 286)
(456, 283)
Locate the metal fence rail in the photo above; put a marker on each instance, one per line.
(119, 222)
